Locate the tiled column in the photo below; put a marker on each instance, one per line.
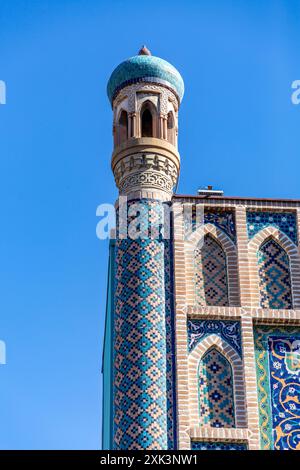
(243, 266)
(250, 380)
(140, 375)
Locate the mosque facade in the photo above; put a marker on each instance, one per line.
(202, 336)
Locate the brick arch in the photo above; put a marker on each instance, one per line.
(291, 250)
(231, 256)
(210, 342)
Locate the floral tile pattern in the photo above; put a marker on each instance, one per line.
(278, 379)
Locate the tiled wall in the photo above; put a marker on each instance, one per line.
(284, 221)
(260, 242)
(277, 357)
(206, 445)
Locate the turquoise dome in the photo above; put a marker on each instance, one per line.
(148, 68)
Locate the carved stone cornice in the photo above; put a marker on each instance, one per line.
(146, 180)
(145, 145)
(146, 164)
(145, 170)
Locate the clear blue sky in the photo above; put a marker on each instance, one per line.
(238, 131)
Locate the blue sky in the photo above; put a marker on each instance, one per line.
(238, 131)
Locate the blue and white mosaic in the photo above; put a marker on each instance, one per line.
(222, 219)
(170, 343)
(284, 221)
(144, 395)
(216, 395)
(284, 360)
(228, 330)
(207, 445)
(277, 352)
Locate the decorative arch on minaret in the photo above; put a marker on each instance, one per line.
(148, 119)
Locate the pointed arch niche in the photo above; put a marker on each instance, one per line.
(211, 261)
(216, 394)
(274, 276)
(211, 280)
(274, 270)
(216, 385)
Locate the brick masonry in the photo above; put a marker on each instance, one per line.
(244, 306)
(160, 289)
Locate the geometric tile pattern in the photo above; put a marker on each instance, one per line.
(216, 396)
(274, 276)
(208, 445)
(141, 357)
(223, 219)
(211, 274)
(277, 352)
(228, 330)
(284, 221)
(170, 345)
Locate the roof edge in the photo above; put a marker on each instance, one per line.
(233, 198)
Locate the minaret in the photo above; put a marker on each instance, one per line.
(145, 94)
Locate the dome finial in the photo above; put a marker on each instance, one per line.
(144, 51)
